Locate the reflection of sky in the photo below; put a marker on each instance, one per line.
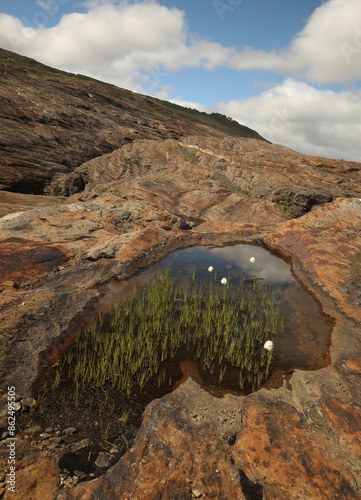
(266, 265)
(306, 334)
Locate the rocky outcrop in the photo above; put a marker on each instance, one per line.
(299, 441)
(219, 178)
(137, 202)
(52, 122)
(37, 473)
(140, 202)
(337, 226)
(16, 202)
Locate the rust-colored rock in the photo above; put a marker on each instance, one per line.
(189, 370)
(22, 259)
(139, 203)
(272, 445)
(220, 179)
(36, 472)
(17, 202)
(183, 442)
(327, 245)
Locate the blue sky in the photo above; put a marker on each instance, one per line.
(291, 70)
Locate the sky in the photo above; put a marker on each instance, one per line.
(290, 70)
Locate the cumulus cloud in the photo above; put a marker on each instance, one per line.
(327, 50)
(119, 42)
(304, 118)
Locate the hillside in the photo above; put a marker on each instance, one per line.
(52, 121)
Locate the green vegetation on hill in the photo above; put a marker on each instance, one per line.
(214, 120)
(13, 59)
(225, 123)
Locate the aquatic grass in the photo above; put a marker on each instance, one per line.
(225, 325)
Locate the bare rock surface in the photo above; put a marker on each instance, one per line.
(17, 202)
(312, 241)
(226, 179)
(184, 443)
(299, 441)
(37, 472)
(129, 208)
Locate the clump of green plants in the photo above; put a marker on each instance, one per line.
(225, 325)
(285, 206)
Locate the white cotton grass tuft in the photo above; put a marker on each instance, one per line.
(224, 281)
(210, 269)
(268, 345)
(252, 260)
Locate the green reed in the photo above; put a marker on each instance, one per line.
(225, 327)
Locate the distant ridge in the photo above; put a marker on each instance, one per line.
(222, 122)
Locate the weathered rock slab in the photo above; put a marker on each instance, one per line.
(183, 442)
(299, 441)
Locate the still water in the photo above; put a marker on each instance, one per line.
(304, 345)
(305, 342)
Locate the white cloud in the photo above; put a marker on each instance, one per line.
(188, 104)
(327, 50)
(263, 84)
(304, 118)
(118, 42)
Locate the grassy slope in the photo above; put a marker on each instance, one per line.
(216, 120)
